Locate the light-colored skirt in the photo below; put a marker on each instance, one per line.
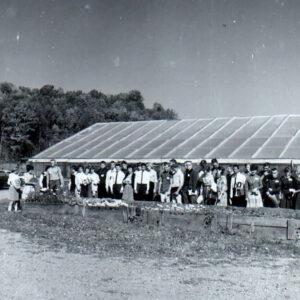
(94, 189)
(128, 193)
(254, 200)
(28, 191)
(14, 194)
(222, 199)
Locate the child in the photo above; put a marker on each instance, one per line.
(14, 183)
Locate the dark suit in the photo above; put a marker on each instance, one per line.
(190, 184)
(101, 186)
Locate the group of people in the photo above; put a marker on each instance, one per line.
(209, 184)
(23, 185)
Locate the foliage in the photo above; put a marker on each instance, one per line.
(34, 119)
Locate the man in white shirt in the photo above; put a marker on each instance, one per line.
(117, 179)
(237, 188)
(176, 183)
(94, 178)
(142, 183)
(153, 181)
(109, 179)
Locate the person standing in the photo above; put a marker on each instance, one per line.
(153, 181)
(297, 190)
(130, 176)
(94, 179)
(55, 180)
(214, 168)
(252, 188)
(202, 165)
(72, 186)
(110, 175)
(247, 169)
(189, 189)
(14, 184)
(176, 184)
(266, 176)
(164, 185)
(88, 186)
(81, 181)
(118, 182)
(273, 191)
(209, 187)
(128, 194)
(221, 187)
(128, 190)
(229, 174)
(43, 181)
(142, 183)
(102, 193)
(124, 167)
(288, 185)
(237, 188)
(29, 183)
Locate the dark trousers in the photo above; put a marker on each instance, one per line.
(297, 202)
(141, 192)
(287, 201)
(272, 200)
(151, 191)
(239, 201)
(188, 199)
(84, 191)
(173, 196)
(117, 191)
(54, 185)
(266, 200)
(102, 191)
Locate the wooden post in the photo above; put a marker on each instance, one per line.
(125, 214)
(229, 223)
(84, 208)
(214, 223)
(148, 216)
(161, 217)
(291, 229)
(252, 227)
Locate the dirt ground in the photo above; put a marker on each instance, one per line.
(45, 254)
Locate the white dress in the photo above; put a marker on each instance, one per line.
(28, 189)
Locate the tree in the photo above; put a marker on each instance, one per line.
(34, 119)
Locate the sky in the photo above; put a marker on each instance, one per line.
(209, 58)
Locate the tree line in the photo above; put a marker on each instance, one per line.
(35, 119)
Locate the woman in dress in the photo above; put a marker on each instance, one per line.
(252, 188)
(209, 187)
(81, 182)
(14, 183)
(94, 179)
(221, 187)
(30, 182)
(87, 187)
